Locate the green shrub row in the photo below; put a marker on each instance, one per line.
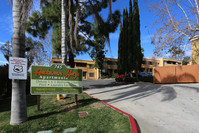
(126, 79)
(105, 76)
(146, 79)
(134, 79)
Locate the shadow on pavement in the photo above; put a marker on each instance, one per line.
(134, 92)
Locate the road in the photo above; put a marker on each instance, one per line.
(158, 108)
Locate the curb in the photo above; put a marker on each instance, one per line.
(132, 120)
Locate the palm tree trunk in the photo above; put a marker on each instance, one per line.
(18, 102)
(64, 26)
(63, 33)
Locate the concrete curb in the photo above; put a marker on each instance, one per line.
(132, 120)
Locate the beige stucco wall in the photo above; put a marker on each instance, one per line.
(195, 49)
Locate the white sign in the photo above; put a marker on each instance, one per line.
(17, 68)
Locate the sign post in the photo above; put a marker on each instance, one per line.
(56, 79)
(38, 102)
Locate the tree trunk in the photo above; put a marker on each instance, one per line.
(64, 35)
(18, 102)
(71, 59)
(136, 69)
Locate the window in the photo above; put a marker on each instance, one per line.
(81, 64)
(109, 71)
(169, 62)
(91, 74)
(111, 63)
(91, 66)
(56, 61)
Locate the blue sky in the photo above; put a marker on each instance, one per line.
(146, 19)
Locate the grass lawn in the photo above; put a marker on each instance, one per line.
(60, 115)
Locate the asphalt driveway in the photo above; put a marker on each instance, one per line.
(158, 108)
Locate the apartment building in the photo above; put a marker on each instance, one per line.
(110, 65)
(169, 62)
(89, 72)
(148, 64)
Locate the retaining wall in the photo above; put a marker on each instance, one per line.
(176, 74)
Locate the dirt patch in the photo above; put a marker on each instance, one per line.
(97, 105)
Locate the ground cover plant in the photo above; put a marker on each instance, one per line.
(126, 79)
(60, 115)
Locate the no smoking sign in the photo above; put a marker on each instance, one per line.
(17, 68)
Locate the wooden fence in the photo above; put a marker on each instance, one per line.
(176, 74)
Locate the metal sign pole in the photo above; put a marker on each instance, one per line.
(38, 102)
(76, 99)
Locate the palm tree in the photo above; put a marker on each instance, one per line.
(18, 103)
(63, 32)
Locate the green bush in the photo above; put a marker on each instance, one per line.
(146, 79)
(126, 79)
(6, 83)
(105, 76)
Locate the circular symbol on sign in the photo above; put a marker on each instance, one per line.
(18, 68)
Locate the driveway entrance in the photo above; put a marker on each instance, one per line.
(158, 108)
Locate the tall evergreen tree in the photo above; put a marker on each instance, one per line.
(120, 66)
(129, 48)
(125, 42)
(123, 45)
(136, 33)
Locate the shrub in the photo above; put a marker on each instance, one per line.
(6, 83)
(105, 75)
(124, 78)
(146, 79)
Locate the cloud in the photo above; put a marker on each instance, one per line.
(2, 42)
(3, 62)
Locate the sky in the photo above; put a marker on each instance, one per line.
(146, 20)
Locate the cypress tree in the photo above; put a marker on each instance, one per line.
(123, 54)
(131, 49)
(119, 67)
(136, 33)
(125, 42)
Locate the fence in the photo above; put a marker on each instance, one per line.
(176, 74)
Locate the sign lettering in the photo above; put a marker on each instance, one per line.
(56, 79)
